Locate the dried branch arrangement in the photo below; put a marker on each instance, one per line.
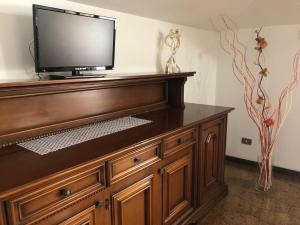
(268, 118)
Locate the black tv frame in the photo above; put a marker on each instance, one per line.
(74, 69)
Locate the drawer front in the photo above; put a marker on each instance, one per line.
(90, 211)
(178, 141)
(130, 163)
(40, 202)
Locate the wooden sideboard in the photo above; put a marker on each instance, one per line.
(169, 171)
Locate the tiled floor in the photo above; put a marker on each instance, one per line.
(245, 206)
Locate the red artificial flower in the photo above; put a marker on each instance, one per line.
(269, 106)
(259, 100)
(269, 122)
(262, 43)
(264, 72)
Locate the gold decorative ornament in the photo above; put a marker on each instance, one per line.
(173, 41)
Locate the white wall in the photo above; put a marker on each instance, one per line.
(283, 44)
(139, 46)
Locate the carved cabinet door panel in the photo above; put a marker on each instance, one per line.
(212, 152)
(132, 205)
(177, 188)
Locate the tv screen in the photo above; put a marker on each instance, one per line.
(72, 41)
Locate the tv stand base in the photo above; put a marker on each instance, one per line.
(60, 77)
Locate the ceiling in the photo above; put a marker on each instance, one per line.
(201, 13)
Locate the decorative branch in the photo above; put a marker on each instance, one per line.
(267, 119)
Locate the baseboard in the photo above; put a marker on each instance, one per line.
(253, 163)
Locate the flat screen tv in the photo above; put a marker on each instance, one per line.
(66, 40)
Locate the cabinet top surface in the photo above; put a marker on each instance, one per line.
(19, 166)
(31, 82)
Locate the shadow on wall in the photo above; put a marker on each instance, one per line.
(160, 45)
(14, 40)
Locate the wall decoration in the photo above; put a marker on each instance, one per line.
(173, 41)
(267, 117)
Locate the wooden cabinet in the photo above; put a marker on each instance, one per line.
(168, 171)
(212, 154)
(133, 205)
(162, 182)
(178, 187)
(172, 180)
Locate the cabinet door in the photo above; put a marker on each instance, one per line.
(212, 152)
(132, 205)
(177, 188)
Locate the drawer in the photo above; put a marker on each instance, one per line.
(40, 202)
(132, 162)
(176, 142)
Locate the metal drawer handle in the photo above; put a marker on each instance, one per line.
(210, 136)
(180, 140)
(105, 203)
(99, 204)
(65, 192)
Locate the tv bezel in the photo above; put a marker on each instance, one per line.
(74, 69)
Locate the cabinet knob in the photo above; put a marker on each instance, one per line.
(180, 140)
(136, 160)
(65, 192)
